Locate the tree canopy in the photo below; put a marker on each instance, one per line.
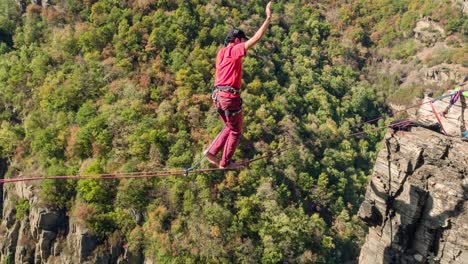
(109, 85)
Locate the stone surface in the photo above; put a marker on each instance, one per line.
(3, 169)
(452, 122)
(444, 73)
(87, 243)
(428, 31)
(44, 219)
(47, 236)
(25, 246)
(463, 4)
(416, 200)
(45, 243)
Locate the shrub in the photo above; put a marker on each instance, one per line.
(134, 193)
(447, 56)
(404, 50)
(136, 239)
(22, 208)
(454, 24)
(101, 224)
(57, 194)
(405, 95)
(81, 212)
(10, 137)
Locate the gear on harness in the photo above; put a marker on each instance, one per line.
(229, 112)
(214, 97)
(228, 89)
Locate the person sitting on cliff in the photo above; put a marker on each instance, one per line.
(461, 94)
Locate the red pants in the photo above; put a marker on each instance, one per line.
(229, 137)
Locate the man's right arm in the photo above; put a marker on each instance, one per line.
(261, 31)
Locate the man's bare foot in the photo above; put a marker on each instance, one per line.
(232, 165)
(212, 159)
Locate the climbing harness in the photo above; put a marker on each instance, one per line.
(229, 112)
(229, 89)
(214, 97)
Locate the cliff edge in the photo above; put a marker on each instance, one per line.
(416, 201)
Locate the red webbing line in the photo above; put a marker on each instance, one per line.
(403, 110)
(266, 156)
(397, 123)
(392, 114)
(438, 119)
(106, 176)
(79, 177)
(184, 172)
(135, 175)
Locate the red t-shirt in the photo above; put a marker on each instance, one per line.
(229, 68)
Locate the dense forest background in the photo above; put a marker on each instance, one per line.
(97, 86)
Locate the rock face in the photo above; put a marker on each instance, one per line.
(454, 122)
(416, 204)
(428, 31)
(463, 5)
(3, 169)
(443, 73)
(46, 236)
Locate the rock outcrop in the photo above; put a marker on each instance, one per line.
(463, 5)
(3, 169)
(443, 73)
(416, 204)
(44, 235)
(454, 122)
(428, 31)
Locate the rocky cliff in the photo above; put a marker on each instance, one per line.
(416, 203)
(3, 168)
(32, 233)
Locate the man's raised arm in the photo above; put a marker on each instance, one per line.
(261, 31)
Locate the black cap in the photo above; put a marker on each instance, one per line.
(233, 34)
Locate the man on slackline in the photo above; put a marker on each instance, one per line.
(226, 94)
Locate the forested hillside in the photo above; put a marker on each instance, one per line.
(103, 86)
